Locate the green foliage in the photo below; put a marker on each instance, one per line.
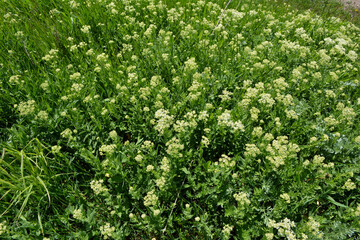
(149, 120)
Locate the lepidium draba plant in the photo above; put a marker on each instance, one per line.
(152, 121)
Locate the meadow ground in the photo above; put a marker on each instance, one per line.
(352, 3)
(142, 119)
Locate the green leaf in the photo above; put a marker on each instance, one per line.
(187, 172)
(335, 202)
(229, 211)
(47, 191)
(246, 235)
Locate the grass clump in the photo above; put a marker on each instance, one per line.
(131, 120)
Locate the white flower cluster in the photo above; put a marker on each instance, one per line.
(154, 81)
(252, 92)
(102, 57)
(149, 31)
(67, 133)
(190, 122)
(90, 52)
(280, 149)
(349, 185)
(205, 141)
(26, 108)
(188, 31)
(75, 76)
(225, 161)
(352, 55)
(284, 228)
(290, 47)
(225, 96)
(147, 145)
(269, 236)
(161, 182)
(324, 58)
(348, 114)
(42, 115)
(173, 15)
(156, 212)
(107, 149)
(78, 214)
(286, 197)
(268, 137)
(330, 94)
(300, 32)
(52, 54)
(280, 84)
(112, 8)
(113, 135)
(242, 198)
(224, 120)
(203, 116)
(251, 150)
(195, 89)
(107, 231)
(291, 114)
(45, 85)
(55, 148)
(190, 65)
(97, 186)
(85, 29)
(164, 120)
(150, 199)
(76, 87)
(227, 231)
(144, 93)
(139, 158)
(266, 99)
(357, 211)
(254, 112)
(149, 168)
(331, 121)
(14, 79)
(257, 131)
(19, 34)
(165, 165)
(3, 227)
(318, 161)
(73, 4)
(174, 147)
(314, 227)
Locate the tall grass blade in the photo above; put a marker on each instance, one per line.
(47, 191)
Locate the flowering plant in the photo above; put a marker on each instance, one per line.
(158, 120)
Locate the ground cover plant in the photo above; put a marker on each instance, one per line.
(151, 120)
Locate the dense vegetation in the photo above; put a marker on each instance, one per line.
(144, 120)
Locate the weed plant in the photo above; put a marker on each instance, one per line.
(144, 120)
